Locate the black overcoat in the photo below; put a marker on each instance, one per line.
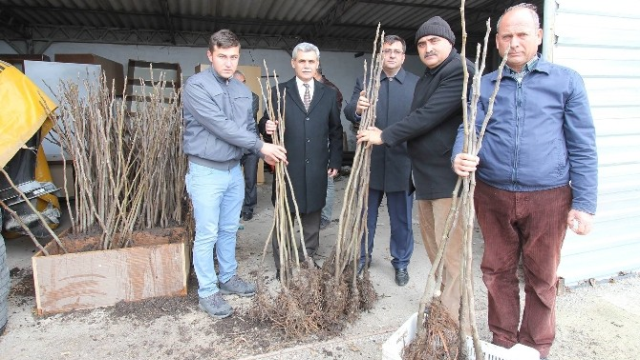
(306, 137)
(430, 129)
(390, 166)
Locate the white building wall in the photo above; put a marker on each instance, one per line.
(601, 41)
(341, 68)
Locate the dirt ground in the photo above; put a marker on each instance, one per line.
(599, 321)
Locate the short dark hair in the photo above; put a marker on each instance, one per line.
(390, 39)
(223, 39)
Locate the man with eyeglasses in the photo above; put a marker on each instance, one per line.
(430, 132)
(390, 166)
(217, 118)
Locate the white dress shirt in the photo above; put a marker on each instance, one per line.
(301, 88)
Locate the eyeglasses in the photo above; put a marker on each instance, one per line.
(392, 51)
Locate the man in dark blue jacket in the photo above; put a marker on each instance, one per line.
(538, 175)
(390, 167)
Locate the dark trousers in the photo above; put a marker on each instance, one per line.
(532, 225)
(250, 165)
(311, 235)
(400, 206)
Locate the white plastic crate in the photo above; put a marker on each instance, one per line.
(392, 348)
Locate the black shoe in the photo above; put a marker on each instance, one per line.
(402, 277)
(246, 216)
(278, 274)
(324, 223)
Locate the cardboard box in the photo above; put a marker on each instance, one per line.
(113, 71)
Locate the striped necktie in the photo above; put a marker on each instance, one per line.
(307, 97)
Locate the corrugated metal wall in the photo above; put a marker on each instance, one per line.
(601, 40)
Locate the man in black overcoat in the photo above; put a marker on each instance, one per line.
(312, 120)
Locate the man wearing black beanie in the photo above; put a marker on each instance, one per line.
(430, 132)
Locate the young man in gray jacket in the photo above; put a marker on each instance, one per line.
(218, 119)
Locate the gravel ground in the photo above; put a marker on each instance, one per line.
(601, 321)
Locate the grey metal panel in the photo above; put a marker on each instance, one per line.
(601, 43)
(49, 77)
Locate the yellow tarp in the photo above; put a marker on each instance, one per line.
(22, 110)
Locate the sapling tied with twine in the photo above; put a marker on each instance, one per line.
(437, 335)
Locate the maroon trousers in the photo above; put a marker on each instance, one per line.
(532, 225)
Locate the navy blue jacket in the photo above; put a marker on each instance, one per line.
(390, 166)
(540, 136)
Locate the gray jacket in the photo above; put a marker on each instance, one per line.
(218, 120)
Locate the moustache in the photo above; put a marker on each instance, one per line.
(430, 53)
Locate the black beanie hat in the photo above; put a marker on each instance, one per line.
(438, 27)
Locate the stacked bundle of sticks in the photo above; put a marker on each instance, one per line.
(283, 227)
(438, 336)
(353, 224)
(297, 308)
(122, 160)
(314, 300)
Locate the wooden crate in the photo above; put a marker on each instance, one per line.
(154, 71)
(157, 264)
(141, 78)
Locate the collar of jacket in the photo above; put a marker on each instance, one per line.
(219, 78)
(542, 66)
(400, 75)
(434, 71)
